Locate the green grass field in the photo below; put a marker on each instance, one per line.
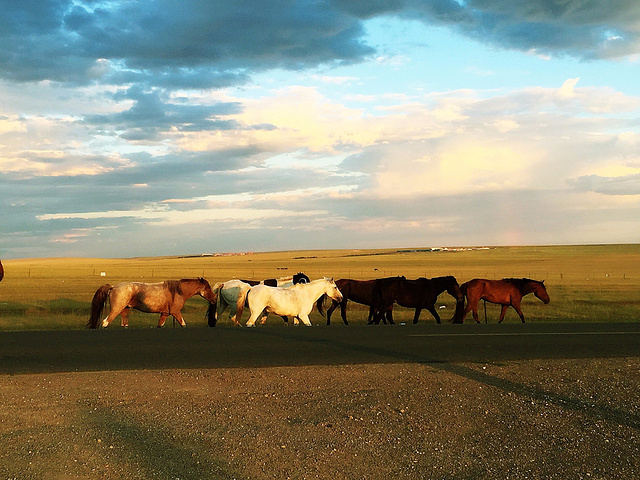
(598, 283)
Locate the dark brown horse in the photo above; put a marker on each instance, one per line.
(359, 291)
(166, 298)
(419, 294)
(1, 272)
(507, 292)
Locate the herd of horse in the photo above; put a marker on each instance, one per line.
(296, 296)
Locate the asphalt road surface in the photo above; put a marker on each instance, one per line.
(467, 402)
(197, 347)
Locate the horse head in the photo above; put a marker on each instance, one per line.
(453, 288)
(207, 292)
(332, 290)
(540, 291)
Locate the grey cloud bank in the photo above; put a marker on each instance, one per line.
(148, 121)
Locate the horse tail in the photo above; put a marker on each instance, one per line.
(458, 315)
(459, 312)
(212, 310)
(320, 303)
(211, 315)
(97, 305)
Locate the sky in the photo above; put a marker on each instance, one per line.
(144, 128)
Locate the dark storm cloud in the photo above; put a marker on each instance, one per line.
(187, 44)
(581, 28)
(151, 114)
(194, 44)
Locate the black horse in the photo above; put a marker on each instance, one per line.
(359, 291)
(273, 282)
(420, 293)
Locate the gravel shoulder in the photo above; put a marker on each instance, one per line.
(513, 418)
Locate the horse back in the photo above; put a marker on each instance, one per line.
(278, 300)
(146, 297)
(359, 291)
(494, 291)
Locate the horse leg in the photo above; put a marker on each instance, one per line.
(124, 317)
(372, 316)
(221, 307)
(343, 310)
(503, 312)
(305, 319)
(162, 319)
(178, 316)
(113, 313)
(255, 313)
(375, 316)
(176, 312)
(416, 315)
(516, 307)
(434, 312)
(390, 315)
(472, 306)
(263, 320)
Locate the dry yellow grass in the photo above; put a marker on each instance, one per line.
(586, 283)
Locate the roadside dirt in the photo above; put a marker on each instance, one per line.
(534, 419)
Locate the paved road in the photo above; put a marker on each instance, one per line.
(198, 347)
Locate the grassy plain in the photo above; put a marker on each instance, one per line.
(597, 283)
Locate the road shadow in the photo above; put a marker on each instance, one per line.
(444, 347)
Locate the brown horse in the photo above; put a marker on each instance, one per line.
(1, 272)
(420, 293)
(507, 292)
(166, 298)
(359, 291)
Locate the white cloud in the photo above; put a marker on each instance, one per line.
(165, 216)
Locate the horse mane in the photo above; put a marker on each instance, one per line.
(320, 303)
(521, 283)
(174, 286)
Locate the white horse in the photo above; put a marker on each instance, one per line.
(232, 294)
(296, 301)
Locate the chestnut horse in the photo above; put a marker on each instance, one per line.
(419, 293)
(166, 298)
(507, 292)
(359, 291)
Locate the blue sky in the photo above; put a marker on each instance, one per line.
(165, 128)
